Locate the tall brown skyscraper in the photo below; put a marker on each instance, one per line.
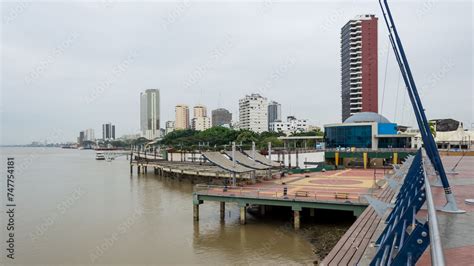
(359, 69)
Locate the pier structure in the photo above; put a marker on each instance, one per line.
(231, 167)
(339, 190)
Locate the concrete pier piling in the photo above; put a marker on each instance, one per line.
(311, 212)
(222, 210)
(243, 214)
(196, 212)
(296, 219)
(262, 209)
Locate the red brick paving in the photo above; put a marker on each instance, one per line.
(453, 256)
(458, 255)
(318, 186)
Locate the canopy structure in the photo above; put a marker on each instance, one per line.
(223, 162)
(243, 159)
(262, 159)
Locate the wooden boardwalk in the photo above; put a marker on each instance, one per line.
(351, 247)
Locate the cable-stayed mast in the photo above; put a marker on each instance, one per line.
(428, 140)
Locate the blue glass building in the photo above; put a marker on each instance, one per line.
(365, 130)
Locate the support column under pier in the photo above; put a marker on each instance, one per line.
(262, 209)
(296, 217)
(196, 212)
(243, 214)
(311, 212)
(222, 210)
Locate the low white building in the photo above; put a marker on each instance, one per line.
(291, 125)
(169, 127)
(449, 134)
(201, 123)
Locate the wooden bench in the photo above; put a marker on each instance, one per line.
(301, 193)
(339, 195)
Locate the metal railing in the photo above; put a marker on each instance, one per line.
(272, 193)
(405, 237)
(350, 149)
(437, 256)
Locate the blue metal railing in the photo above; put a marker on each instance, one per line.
(405, 237)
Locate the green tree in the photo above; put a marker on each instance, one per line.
(247, 136)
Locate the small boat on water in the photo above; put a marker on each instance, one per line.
(99, 156)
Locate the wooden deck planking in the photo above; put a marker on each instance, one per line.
(350, 248)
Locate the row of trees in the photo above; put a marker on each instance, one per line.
(222, 137)
(215, 137)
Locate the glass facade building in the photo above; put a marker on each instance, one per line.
(366, 130)
(395, 142)
(357, 136)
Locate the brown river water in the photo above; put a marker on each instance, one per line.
(72, 209)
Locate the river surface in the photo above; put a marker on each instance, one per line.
(72, 209)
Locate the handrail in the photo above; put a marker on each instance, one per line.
(266, 193)
(436, 248)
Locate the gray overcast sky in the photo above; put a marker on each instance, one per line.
(71, 66)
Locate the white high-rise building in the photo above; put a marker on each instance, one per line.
(200, 120)
(253, 113)
(150, 113)
(89, 134)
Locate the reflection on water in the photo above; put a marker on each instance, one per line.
(118, 218)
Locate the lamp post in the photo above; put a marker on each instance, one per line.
(375, 173)
(233, 163)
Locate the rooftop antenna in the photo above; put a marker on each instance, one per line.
(219, 100)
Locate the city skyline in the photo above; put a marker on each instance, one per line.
(103, 82)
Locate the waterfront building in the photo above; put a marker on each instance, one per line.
(108, 131)
(201, 123)
(449, 134)
(200, 120)
(253, 113)
(181, 117)
(221, 117)
(169, 127)
(291, 125)
(274, 112)
(80, 139)
(366, 130)
(359, 69)
(150, 113)
(199, 111)
(89, 134)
